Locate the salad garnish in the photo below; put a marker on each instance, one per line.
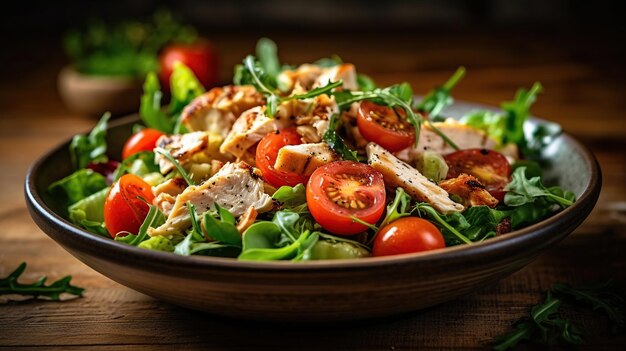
(310, 162)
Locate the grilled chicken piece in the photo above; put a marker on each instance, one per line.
(216, 110)
(465, 137)
(246, 219)
(166, 192)
(304, 158)
(399, 174)
(308, 76)
(346, 72)
(182, 147)
(314, 115)
(470, 189)
(251, 127)
(236, 187)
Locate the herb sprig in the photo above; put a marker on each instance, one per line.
(11, 286)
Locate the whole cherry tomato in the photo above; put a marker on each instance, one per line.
(125, 207)
(144, 140)
(407, 235)
(200, 57)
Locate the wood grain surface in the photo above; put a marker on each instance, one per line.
(584, 92)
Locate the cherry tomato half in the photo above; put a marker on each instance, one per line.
(407, 235)
(490, 167)
(267, 152)
(144, 140)
(200, 57)
(384, 126)
(124, 209)
(341, 190)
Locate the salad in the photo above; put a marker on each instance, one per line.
(310, 162)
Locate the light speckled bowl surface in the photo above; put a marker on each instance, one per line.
(319, 290)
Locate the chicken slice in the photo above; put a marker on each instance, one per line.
(251, 127)
(236, 187)
(216, 110)
(182, 147)
(397, 173)
(312, 116)
(166, 192)
(304, 158)
(470, 189)
(465, 137)
(346, 72)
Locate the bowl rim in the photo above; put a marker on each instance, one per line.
(532, 235)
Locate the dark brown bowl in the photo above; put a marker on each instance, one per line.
(319, 290)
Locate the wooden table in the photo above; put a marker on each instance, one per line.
(584, 92)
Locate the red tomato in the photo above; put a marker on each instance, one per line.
(407, 235)
(200, 57)
(144, 140)
(490, 167)
(124, 209)
(385, 127)
(267, 152)
(341, 190)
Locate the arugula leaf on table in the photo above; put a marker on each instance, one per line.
(11, 286)
(91, 147)
(436, 100)
(521, 191)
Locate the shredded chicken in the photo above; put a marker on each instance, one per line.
(216, 110)
(397, 173)
(470, 190)
(166, 192)
(236, 187)
(308, 76)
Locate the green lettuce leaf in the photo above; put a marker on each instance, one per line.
(77, 186)
(91, 147)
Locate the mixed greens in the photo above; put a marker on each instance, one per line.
(310, 162)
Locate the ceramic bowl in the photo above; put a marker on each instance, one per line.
(95, 95)
(319, 290)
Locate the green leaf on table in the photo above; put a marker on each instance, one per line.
(92, 147)
(11, 286)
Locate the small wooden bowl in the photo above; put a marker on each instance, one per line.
(95, 95)
(316, 291)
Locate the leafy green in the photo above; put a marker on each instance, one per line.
(184, 87)
(521, 191)
(517, 112)
(88, 213)
(365, 83)
(442, 220)
(11, 286)
(545, 324)
(490, 122)
(91, 147)
(330, 247)
(77, 186)
(140, 163)
(150, 108)
(294, 251)
(261, 235)
(157, 243)
(533, 168)
(398, 208)
(291, 197)
(482, 222)
(267, 53)
(222, 230)
(128, 48)
(435, 101)
(336, 142)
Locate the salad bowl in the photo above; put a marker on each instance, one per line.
(316, 291)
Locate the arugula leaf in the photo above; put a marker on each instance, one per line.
(267, 53)
(328, 62)
(332, 138)
(441, 220)
(150, 108)
(176, 164)
(91, 147)
(517, 112)
(524, 330)
(261, 235)
(77, 186)
(365, 82)
(483, 222)
(195, 241)
(140, 163)
(599, 297)
(222, 230)
(492, 123)
(294, 251)
(439, 98)
(157, 243)
(11, 286)
(398, 208)
(521, 191)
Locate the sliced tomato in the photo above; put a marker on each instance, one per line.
(407, 235)
(144, 140)
(125, 207)
(267, 152)
(341, 190)
(384, 126)
(490, 167)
